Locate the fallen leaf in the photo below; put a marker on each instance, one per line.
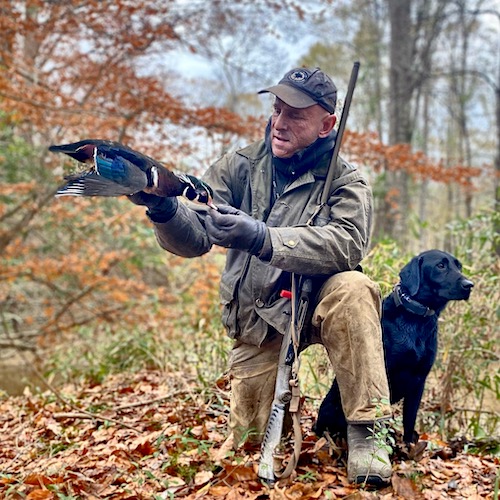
(416, 451)
(40, 495)
(203, 477)
(145, 448)
(405, 487)
(217, 455)
(40, 479)
(236, 473)
(219, 491)
(319, 444)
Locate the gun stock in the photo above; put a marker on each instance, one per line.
(272, 437)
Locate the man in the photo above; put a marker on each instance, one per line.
(266, 192)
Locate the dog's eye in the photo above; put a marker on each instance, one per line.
(441, 265)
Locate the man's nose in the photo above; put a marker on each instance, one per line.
(280, 122)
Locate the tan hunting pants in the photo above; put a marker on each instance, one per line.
(346, 320)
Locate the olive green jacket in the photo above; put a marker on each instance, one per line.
(250, 287)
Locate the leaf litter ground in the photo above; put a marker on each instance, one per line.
(152, 435)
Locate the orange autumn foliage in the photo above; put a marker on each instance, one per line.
(76, 68)
(367, 149)
(70, 70)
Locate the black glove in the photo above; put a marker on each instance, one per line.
(160, 209)
(232, 228)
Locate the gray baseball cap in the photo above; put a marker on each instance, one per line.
(304, 87)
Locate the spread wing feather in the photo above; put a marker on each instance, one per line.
(115, 170)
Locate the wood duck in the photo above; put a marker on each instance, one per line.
(116, 170)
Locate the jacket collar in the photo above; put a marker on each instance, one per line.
(411, 305)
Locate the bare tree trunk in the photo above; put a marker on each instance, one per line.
(466, 156)
(399, 111)
(376, 22)
(422, 205)
(415, 27)
(451, 139)
(30, 50)
(496, 220)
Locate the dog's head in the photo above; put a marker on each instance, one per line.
(434, 277)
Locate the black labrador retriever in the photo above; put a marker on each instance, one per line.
(410, 331)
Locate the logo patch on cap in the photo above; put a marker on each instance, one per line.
(298, 76)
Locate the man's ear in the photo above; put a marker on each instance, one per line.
(328, 124)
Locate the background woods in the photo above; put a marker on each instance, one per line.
(85, 290)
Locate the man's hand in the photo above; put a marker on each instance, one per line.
(160, 209)
(232, 228)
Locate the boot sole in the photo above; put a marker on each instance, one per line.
(372, 480)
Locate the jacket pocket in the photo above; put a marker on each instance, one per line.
(229, 311)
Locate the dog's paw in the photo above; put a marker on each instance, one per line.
(415, 451)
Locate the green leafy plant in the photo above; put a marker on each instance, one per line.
(96, 355)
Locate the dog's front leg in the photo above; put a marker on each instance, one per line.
(411, 404)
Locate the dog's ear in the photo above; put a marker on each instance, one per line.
(410, 275)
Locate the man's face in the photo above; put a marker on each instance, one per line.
(293, 129)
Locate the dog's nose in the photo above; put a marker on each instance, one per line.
(467, 284)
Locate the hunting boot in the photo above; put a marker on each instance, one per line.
(368, 460)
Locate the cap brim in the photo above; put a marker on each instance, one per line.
(290, 95)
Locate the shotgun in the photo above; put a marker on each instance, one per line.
(287, 389)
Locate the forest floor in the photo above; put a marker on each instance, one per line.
(152, 435)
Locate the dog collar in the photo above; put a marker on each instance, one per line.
(411, 305)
